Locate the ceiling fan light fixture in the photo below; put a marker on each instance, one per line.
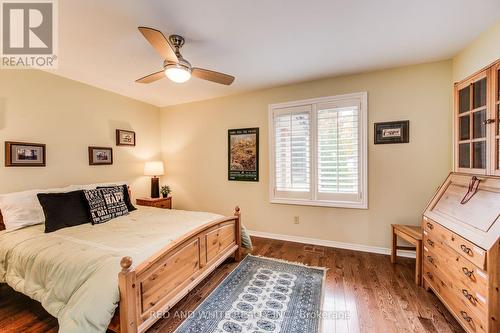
(177, 73)
(175, 67)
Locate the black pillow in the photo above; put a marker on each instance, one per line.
(126, 197)
(64, 210)
(106, 203)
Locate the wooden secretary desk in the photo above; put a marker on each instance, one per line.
(461, 224)
(461, 249)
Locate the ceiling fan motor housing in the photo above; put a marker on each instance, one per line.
(183, 63)
(176, 40)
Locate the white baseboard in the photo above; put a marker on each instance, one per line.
(329, 243)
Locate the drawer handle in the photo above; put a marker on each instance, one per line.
(466, 294)
(466, 250)
(467, 272)
(431, 243)
(431, 259)
(430, 226)
(466, 316)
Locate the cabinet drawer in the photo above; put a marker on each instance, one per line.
(164, 204)
(469, 318)
(446, 259)
(466, 249)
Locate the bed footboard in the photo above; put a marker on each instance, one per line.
(153, 287)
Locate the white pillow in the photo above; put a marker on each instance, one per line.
(94, 186)
(22, 209)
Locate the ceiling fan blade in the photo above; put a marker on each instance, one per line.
(209, 75)
(151, 77)
(160, 43)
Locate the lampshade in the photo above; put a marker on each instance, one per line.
(154, 168)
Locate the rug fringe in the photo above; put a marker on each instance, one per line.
(325, 269)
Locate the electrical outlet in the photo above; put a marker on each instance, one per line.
(296, 220)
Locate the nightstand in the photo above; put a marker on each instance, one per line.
(165, 203)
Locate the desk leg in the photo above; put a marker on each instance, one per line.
(418, 263)
(394, 246)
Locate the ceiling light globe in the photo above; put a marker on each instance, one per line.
(177, 73)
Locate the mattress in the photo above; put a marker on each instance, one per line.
(73, 272)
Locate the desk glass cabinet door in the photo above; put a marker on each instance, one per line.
(477, 125)
(471, 112)
(495, 117)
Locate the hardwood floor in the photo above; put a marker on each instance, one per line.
(378, 296)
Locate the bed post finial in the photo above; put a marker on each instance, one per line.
(126, 262)
(237, 211)
(128, 297)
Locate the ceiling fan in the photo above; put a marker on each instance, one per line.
(175, 67)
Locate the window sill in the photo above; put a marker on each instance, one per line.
(320, 203)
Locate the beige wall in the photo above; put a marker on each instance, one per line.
(484, 50)
(402, 178)
(69, 116)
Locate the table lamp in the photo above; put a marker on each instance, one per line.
(155, 169)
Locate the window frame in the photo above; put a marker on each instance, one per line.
(313, 200)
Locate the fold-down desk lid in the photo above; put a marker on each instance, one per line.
(469, 206)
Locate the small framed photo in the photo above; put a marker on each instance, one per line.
(243, 154)
(100, 156)
(392, 132)
(23, 154)
(125, 138)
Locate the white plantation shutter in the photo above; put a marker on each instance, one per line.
(319, 151)
(338, 150)
(292, 151)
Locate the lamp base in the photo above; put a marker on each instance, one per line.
(155, 187)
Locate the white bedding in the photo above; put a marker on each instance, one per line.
(73, 272)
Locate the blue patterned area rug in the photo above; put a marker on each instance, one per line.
(262, 295)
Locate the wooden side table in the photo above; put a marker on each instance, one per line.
(165, 203)
(413, 235)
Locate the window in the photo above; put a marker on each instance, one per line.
(318, 151)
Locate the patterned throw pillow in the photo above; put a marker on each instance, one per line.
(126, 196)
(106, 203)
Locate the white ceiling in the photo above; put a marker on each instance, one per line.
(263, 43)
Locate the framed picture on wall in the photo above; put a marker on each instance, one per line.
(125, 138)
(392, 132)
(24, 154)
(243, 154)
(100, 156)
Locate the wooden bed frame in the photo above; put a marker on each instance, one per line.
(151, 288)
